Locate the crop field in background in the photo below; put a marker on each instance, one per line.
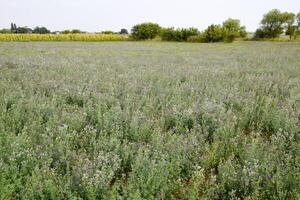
(63, 37)
(148, 120)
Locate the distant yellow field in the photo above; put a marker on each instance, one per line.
(62, 37)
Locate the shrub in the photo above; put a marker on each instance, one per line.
(179, 35)
(145, 31)
(167, 34)
(41, 30)
(214, 33)
(5, 31)
(124, 31)
(233, 29)
(196, 38)
(260, 34)
(107, 32)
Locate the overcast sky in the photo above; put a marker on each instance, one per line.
(99, 15)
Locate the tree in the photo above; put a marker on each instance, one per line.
(271, 24)
(107, 32)
(41, 30)
(298, 23)
(298, 20)
(5, 31)
(232, 25)
(66, 32)
(145, 31)
(76, 31)
(232, 29)
(214, 33)
(288, 23)
(124, 31)
(23, 30)
(260, 34)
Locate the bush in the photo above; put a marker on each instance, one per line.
(107, 32)
(167, 34)
(214, 33)
(74, 31)
(5, 31)
(179, 35)
(260, 34)
(145, 31)
(232, 29)
(196, 38)
(41, 30)
(124, 31)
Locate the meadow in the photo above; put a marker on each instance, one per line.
(149, 120)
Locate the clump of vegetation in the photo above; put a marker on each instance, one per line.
(145, 31)
(41, 30)
(179, 35)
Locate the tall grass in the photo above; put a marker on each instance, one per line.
(62, 37)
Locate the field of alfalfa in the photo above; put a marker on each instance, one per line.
(150, 120)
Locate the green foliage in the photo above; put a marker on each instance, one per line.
(196, 38)
(145, 31)
(233, 29)
(23, 30)
(41, 30)
(179, 35)
(214, 33)
(65, 32)
(5, 31)
(288, 23)
(74, 31)
(124, 31)
(148, 120)
(107, 32)
(274, 23)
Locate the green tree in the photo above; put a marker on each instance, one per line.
(5, 31)
(124, 31)
(75, 31)
(214, 33)
(271, 24)
(41, 30)
(107, 32)
(66, 32)
(23, 30)
(288, 23)
(298, 23)
(145, 31)
(232, 29)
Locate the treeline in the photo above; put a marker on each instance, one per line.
(227, 32)
(273, 24)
